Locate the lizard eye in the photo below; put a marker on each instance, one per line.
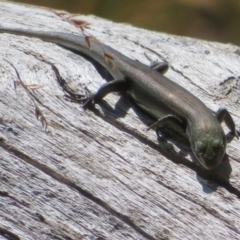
(200, 147)
(217, 144)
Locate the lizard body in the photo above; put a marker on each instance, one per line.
(154, 93)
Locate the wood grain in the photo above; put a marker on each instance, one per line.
(100, 174)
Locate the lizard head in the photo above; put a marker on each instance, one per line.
(209, 149)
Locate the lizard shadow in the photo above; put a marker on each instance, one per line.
(170, 139)
(211, 180)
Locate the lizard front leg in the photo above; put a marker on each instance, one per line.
(223, 115)
(118, 85)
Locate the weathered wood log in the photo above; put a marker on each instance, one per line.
(99, 174)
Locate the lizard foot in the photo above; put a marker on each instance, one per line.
(89, 101)
(236, 133)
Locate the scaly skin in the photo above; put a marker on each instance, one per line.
(151, 91)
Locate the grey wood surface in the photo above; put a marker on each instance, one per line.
(100, 174)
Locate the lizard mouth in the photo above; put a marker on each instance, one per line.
(209, 163)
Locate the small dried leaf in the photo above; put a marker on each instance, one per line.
(108, 56)
(87, 40)
(40, 117)
(80, 23)
(61, 13)
(114, 66)
(110, 61)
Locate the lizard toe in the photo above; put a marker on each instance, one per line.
(89, 101)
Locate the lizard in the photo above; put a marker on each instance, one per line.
(162, 98)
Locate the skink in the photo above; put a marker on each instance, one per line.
(152, 92)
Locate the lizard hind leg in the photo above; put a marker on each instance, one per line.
(167, 120)
(160, 67)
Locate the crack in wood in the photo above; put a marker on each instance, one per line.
(8, 234)
(4, 194)
(181, 73)
(60, 178)
(211, 211)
